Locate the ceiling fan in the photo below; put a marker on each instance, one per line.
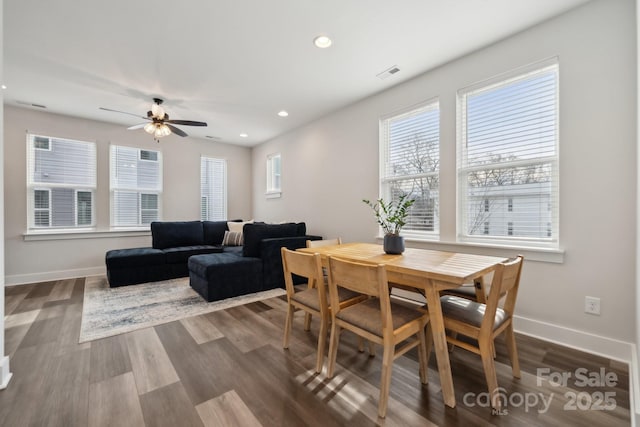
(158, 123)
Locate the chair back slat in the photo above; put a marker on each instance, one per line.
(308, 266)
(506, 279)
(357, 277)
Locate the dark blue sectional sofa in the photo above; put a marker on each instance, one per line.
(194, 249)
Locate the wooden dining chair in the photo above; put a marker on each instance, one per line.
(307, 319)
(377, 319)
(313, 298)
(325, 242)
(475, 291)
(484, 322)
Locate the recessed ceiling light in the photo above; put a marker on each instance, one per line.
(283, 113)
(244, 135)
(322, 42)
(4, 86)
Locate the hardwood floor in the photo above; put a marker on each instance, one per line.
(228, 368)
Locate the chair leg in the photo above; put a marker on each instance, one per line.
(307, 321)
(490, 373)
(287, 326)
(372, 348)
(512, 350)
(360, 344)
(322, 343)
(333, 349)
(422, 356)
(385, 380)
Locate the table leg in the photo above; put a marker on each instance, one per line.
(440, 345)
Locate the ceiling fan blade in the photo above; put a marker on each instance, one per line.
(123, 112)
(175, 130)
(138, 126)
(186, 122)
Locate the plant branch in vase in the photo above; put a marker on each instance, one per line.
(392, 216)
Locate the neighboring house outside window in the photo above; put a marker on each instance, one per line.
(136, 186)
(213, 189)
(61, 183)
(410, 165)
(274, 175)
(508, 158)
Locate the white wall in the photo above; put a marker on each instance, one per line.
(29, 261)
(5, 374)
(329, 165)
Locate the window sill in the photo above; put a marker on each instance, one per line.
(530, 253)
(273, 194)
(84, 234)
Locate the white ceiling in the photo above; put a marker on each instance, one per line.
(236, 63)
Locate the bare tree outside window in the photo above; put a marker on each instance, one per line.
(508, 156)
(411, 145)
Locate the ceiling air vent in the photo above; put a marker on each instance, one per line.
(30, 104)
(388, 72)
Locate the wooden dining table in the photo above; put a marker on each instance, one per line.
(428, 271)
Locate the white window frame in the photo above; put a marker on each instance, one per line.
(140, 191)
(205, 212)
(463, 168)
(33, 186)
(386, 179)
(274, 179)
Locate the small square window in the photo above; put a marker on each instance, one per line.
(149, 155)
(41, 143)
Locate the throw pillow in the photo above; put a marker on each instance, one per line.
(237, 226)
(232, 238)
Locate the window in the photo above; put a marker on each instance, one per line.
(508, 153)
(274, 178)
(410, 164)
(136, 186)
(61, 182)
(213, 189)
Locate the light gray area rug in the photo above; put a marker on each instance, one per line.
(113, 311)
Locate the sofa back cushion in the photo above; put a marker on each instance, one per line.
(254, 233)
(171, 234)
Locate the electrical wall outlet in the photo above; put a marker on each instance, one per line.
(592, 305)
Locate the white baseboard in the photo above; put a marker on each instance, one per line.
(573, 338)
(23, 279)
(634, 387)
(5, 374)
(622, 351)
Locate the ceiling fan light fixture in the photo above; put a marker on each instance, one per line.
(150, 128)
(162, 130)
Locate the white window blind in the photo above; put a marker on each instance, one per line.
(410, 164)
(213, 189)
(136, 186)
(508, 158)
(274, 174)
(61, 182)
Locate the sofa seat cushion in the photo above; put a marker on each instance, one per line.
(173, 234)
(206, 265)
(134, 257)
(180, 255)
